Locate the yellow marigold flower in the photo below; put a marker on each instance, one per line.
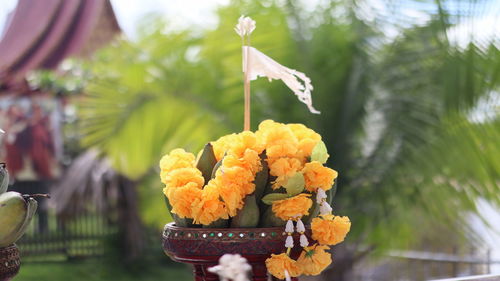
(183, 198)
(313, 260)
(307, 140)
(277, 264)
(318, 176)
(329, 229)
(231, 192)
(305, 148)
(223, 144)
(282, 169)
(232, 197)
(237, 176)
(182, 176)
(244, 141)
(293, 208)
(210, 208)
(249, 161)
(267, 125)
(302, 132)
(278, 139)
(177, 158)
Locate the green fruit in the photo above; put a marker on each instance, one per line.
(261, 179)
(269, 219)
(4, 178)
(207, 162)
(220, 223)
(248, 216)
(16, 213)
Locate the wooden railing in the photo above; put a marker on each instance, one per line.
(423, 265)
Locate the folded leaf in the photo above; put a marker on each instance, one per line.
(295, 184)
(207, 162)
(216, 167)
(270, 198)
(320, 153)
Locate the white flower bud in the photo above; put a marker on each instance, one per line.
(300, 226)
(321, 195)
(303, 241)
(289, 242)
(325, 209)
(289, 226)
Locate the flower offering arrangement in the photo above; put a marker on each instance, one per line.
(273, 177)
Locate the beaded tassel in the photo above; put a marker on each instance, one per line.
(302, 229)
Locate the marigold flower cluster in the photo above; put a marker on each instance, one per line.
(223, 195)
(295, 174)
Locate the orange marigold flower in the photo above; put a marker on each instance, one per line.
(245, 141)
(293, 208)
(223, 144)
(277, 264)
(278, 139)
(231, 192)
(177, 158)
(182, 176)
(249, 161)
(318, 176)
(305, 148)
(302, 132)
(307, 140)
(313, 260)
(282, 169)
(237, 176)
(329, 229)
(210, 208)
(183, 198)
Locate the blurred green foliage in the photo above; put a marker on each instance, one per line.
(396, 112)
(96, 271)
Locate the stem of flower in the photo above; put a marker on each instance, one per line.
(246, 79)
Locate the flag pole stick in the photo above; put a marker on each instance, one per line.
(246, 81)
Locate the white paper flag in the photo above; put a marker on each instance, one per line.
(260, 65)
